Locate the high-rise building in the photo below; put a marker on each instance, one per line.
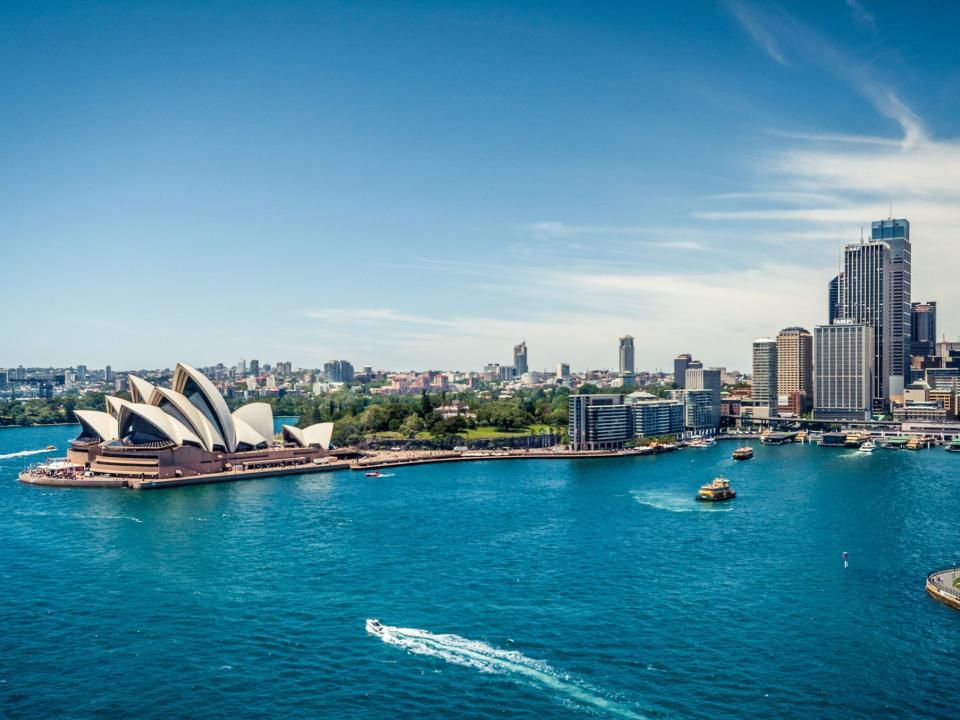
(108, 374)
(865, 299)
(520, 359)
(338, 371)
(81, 373)
(241, 367)
(697, 378)
(896, 233)
(680, 364)
(765, 377)
(794, 370)
(653, 416)
(599, 422)
(627, 366)
(4, 379)
(21, 373)
(563, 371)
(255, 368)
(698, 413)
(833, 299)
(923, 329)
(844, 366)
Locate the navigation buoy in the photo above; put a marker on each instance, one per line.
(846, 559)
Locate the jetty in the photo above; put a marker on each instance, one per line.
(944, 585)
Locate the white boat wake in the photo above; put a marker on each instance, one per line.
(24, 453)
(486, 658)
(676, 503)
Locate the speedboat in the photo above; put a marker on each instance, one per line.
(375, 627)
(868, 447)
(50, 447)
(373, 473)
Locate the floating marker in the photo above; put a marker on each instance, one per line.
(846, 559)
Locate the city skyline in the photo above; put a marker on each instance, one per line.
(686, 173)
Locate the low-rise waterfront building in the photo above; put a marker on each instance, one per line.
(653, 416)
(599, 422)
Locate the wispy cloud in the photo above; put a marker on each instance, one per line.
(371, 316)
(757, 30)
(862, 16)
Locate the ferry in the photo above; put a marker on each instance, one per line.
(868, 447)
(743, 453)
(716, 491)
(703, 442)
(952, 446)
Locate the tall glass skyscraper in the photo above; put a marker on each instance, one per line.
(626, 356)
(896, 233)
(923, 333)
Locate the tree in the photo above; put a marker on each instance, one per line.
(411, 426)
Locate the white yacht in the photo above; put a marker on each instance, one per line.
(868, 447)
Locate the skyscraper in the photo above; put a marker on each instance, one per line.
(81, 373)
(765, 377)
(794, 370)
(626, 356)
(108, 374)
(241, 367)
(896, 233)
(923, 329)
(520, 359)
(865, 299)
(255, 368)
(563, 371)
(833, 299)
(844, 357)
(680, 364)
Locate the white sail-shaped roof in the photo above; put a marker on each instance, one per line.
(95, 423)
(177, 405)
(247, 436)
(259, 416)
(202, 393)
(140, 389)
(319, 435)
(166, 425)
(115, 405)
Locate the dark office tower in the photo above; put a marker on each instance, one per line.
(626, 356)
(680, 365)
(923, 329)
(255, 368)
(108, 374)
(833, 299)
(520, 359)
(896, 233)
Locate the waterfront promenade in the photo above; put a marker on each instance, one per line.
(942, 585)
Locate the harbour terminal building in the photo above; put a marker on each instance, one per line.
(187, 431)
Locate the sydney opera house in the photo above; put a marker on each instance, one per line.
(187, 431)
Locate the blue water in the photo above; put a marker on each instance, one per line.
(518, 589)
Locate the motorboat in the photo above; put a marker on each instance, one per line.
(743, 453)
(50, 447)
(703, 442)
(374, 473)
(868, 447)
(716, 491)
(375, 627)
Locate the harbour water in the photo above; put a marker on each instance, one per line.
(529, 589)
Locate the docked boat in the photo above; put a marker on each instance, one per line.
(375, 627)
(952, 446)
(868, 447)
(374, 473)
(743, 453)
(703, 442)
(716, 491)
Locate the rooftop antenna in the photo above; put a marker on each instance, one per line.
(891, 209)
(861, 234)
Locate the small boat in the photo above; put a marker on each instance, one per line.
(743, 453)
(375, 627)
(716, 491)
(50, 447)
(868, 447)
(374, 473)
(703, 442)
(953, 446)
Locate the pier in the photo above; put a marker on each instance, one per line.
(942, 586)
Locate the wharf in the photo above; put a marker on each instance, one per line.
(941, 586)
(381, 462)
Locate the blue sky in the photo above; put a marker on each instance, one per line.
(423, 185)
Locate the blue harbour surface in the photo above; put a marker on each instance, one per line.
(528, 589)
